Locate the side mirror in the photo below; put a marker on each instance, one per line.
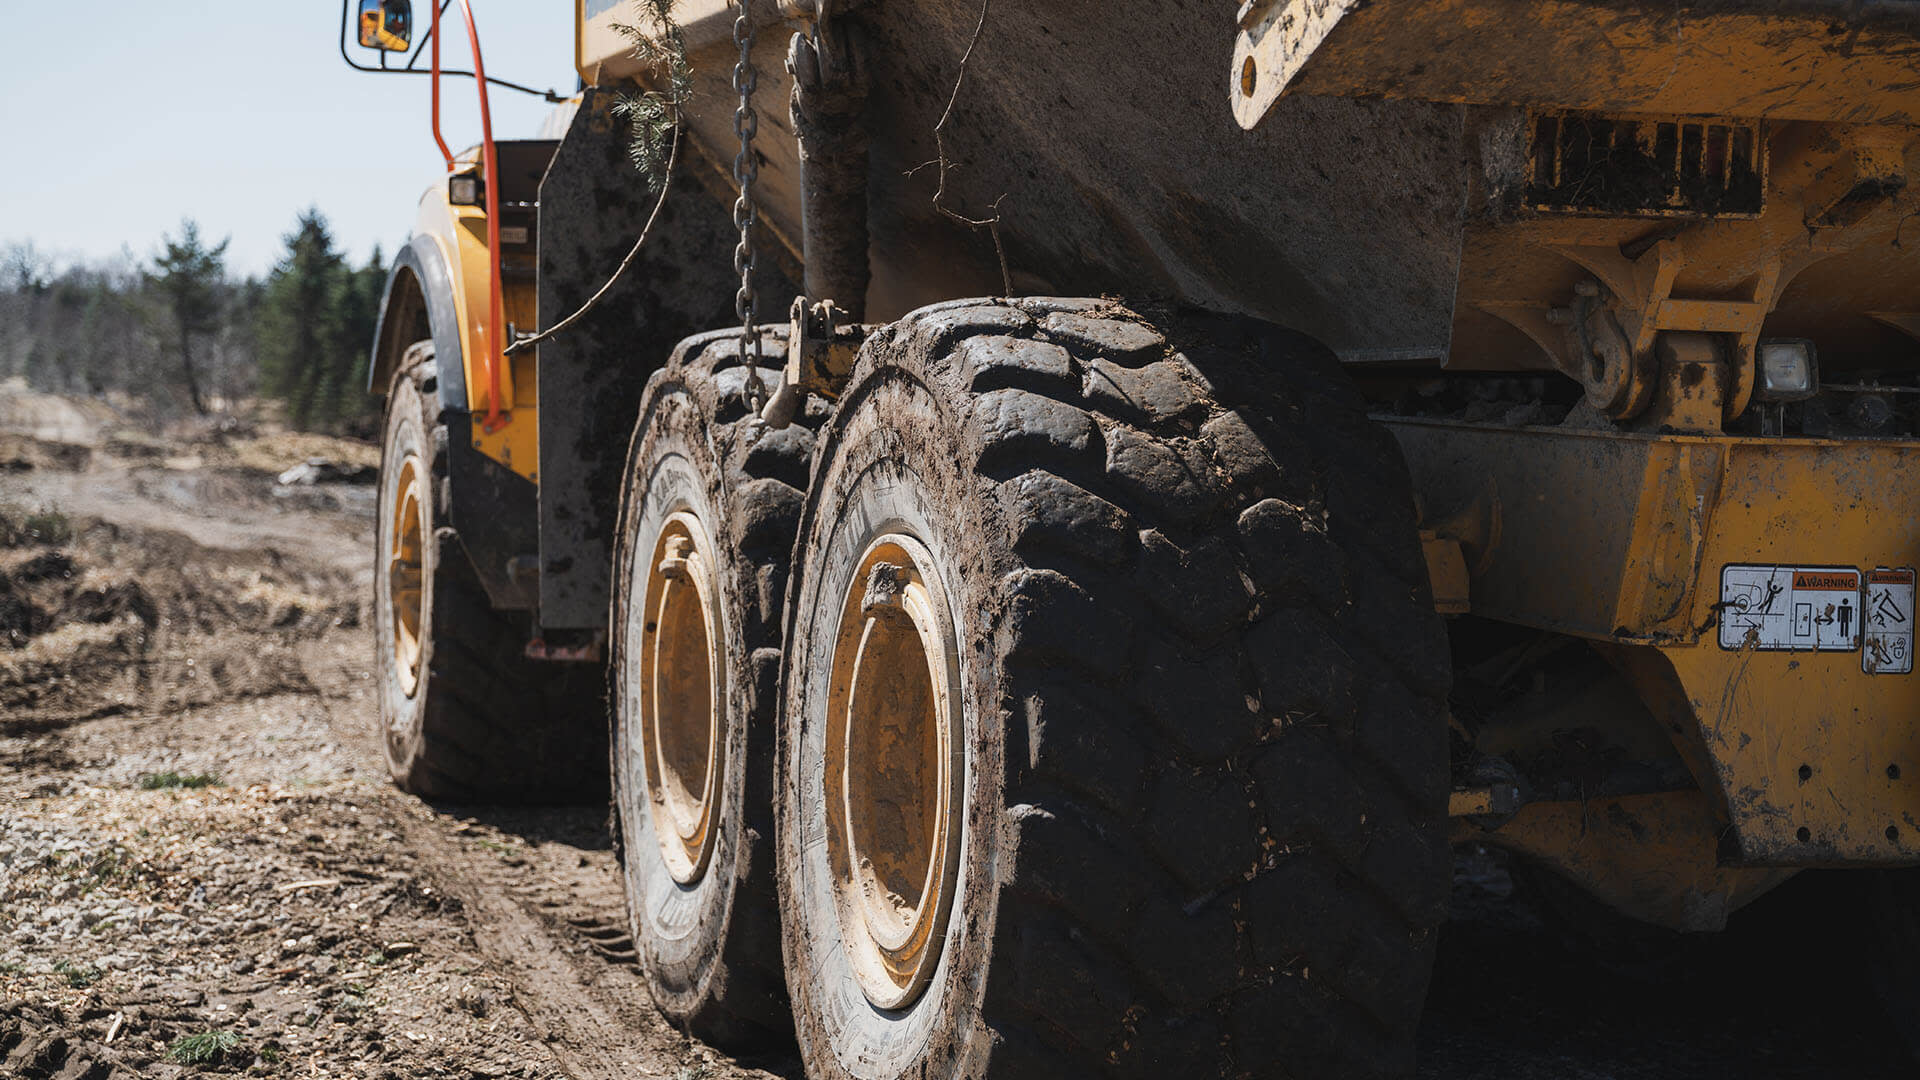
(386, 25)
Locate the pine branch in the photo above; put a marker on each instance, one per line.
(652, 116)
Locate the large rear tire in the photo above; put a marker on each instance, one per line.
(707, 521)
(1114, 738)
(465, 716)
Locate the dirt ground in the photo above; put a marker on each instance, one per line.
(202, 865)
(204, 870)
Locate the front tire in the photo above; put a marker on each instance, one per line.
(465, 716)
(1175, 655)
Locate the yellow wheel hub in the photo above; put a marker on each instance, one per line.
(404, 552)
(682, 691)
(893, 770)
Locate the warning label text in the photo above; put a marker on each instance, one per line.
(1787, 608)
(1887, 616)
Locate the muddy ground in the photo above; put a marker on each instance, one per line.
(203, 869)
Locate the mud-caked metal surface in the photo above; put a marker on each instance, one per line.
(1106, 151)
(1378, 208)
(1839, 60)
(592, 208)
(1625, 540)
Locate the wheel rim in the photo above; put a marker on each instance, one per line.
(682, 751)
(404, 572)
(893, 770)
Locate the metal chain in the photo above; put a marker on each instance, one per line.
(746, 123)
(822, 37)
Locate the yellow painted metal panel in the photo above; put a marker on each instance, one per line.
(1621, 538)
(1768, 717)
(1654, 857)
(1710, 316)
(1691, 57)
(461, 233)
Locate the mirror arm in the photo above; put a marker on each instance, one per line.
(346, 5)
(422, 47)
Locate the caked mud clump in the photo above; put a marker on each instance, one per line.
(97, 618)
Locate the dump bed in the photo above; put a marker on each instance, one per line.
(1134, 152)
(1833, 60)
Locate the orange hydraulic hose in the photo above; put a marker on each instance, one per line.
(493, 333)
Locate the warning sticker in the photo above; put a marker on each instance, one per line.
(1887, 618)
(1774, 608)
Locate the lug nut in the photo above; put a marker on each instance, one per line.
(885, 583)
(673, 566)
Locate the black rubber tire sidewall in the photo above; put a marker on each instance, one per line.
(407, 431)
(712, 947)
(679, 929)
(485, 723)
(867, 491)
(1120, 907)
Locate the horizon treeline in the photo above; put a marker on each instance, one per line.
(180, 335)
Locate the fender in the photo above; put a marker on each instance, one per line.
(493, 510)
(418, 302)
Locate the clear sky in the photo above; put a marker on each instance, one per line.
(120, 117)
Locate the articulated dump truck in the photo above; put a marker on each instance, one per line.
(1075, 511)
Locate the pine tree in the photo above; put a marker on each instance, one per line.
(315, 328)
(359, 319)
(190, 275)
(297, 332)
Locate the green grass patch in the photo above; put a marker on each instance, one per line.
(206, 1048)
(46, 526)
(113, 864)
(167, 781)
(78, 976)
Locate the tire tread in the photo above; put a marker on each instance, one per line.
(1169, 899)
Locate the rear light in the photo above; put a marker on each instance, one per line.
(1789, 370)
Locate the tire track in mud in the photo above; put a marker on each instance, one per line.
(539, 890)
(545, 909)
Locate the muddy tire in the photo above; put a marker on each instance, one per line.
(707, 523)
(1195, 754)
(466, 717)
